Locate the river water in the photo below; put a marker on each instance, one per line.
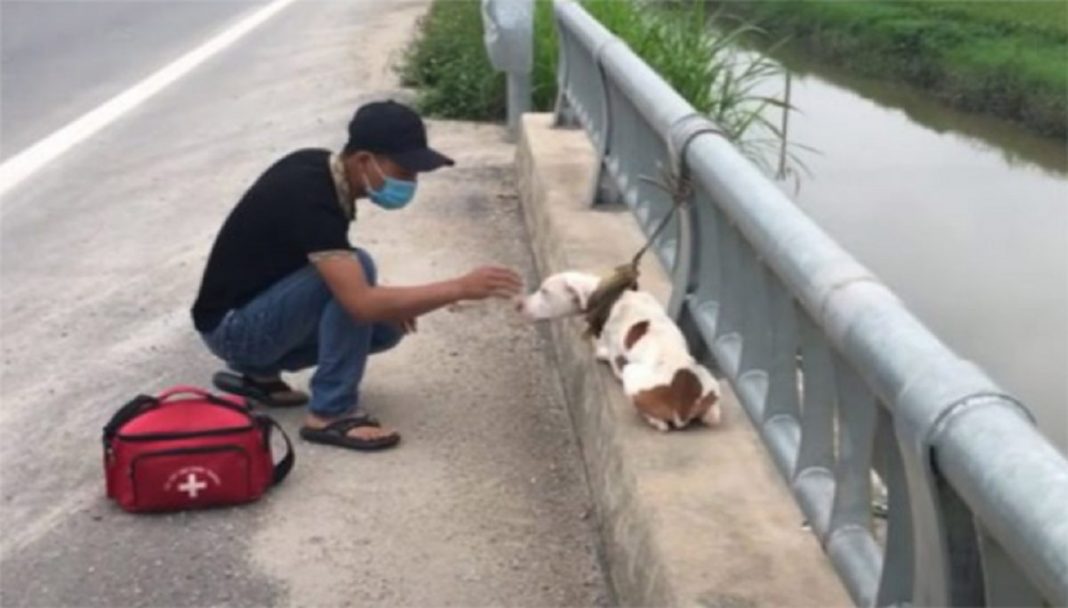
(965, 217)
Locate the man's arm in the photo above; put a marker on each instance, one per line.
(344, 276)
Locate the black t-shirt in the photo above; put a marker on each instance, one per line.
(292, 210)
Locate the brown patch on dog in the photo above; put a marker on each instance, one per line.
(635, 333)
(664, 402)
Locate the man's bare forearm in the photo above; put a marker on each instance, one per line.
(375, 304)
(368, 303)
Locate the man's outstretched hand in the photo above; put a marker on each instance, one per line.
(490, 282)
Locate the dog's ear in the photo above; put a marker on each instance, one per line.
(578, 292)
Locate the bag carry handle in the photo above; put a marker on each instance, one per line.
(142, 403)
(184, 389)
(285, 465)
(126, 413)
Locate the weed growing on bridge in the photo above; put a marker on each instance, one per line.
(447, 62)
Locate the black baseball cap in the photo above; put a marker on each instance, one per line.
(394, 130)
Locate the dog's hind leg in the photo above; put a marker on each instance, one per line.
(712, 416)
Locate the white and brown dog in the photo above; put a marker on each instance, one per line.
(644, 347)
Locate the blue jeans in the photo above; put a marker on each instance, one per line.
(295, 324)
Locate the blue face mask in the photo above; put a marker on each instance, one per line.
(394, 193)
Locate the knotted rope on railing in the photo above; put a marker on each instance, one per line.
(625, 277)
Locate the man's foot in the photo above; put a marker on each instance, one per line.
(280, 393)
(357, 432)
(270, 391)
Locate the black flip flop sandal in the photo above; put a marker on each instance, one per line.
(265, 393)
(336, 434)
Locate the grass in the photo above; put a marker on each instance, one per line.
(1007, 58)
(447, 62)
(1044, 16)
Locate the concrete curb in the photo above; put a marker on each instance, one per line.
(690, 518)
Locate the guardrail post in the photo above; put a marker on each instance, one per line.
(518, 100)
(1006, 583)
(602, 190)
(681, 134)
(948, 560)
(509, 39)
(563, 113)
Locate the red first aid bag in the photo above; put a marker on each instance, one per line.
(189, 449)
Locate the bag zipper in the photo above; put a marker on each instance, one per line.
(189, 450)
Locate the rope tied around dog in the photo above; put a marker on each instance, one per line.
(625, 277)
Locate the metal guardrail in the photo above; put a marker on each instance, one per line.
(837, 376)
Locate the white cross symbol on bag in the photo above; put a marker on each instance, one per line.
(192, 485)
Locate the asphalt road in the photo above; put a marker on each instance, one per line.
(61, 58)
(101, 252)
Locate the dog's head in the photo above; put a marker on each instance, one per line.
(559, 295)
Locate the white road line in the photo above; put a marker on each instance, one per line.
(26, 162)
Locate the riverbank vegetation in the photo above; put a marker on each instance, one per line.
(1006, 58)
